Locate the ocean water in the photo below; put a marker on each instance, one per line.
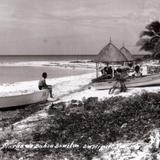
(18, 58)
(11, 74)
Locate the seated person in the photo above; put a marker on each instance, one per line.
(119, 81)
(137, 72)
(109, 72)
(130, 64)
(103, 71)
(42, 84)
(106, 74)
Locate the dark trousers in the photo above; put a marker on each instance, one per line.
(49, 87)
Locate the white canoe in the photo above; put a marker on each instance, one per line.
(150, 80)
(24, 99)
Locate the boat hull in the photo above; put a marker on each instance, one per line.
(24, 99)
(151, 80)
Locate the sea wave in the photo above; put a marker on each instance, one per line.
(65, 64)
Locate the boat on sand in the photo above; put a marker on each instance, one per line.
(144, 81)
(24, 99)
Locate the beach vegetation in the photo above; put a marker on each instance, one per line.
(93, 122)
(10, 116)
(102, 122)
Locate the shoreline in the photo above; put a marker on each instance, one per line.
(69, 88)
(24, 87)
(31, 71)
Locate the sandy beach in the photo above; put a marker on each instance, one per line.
(61, 86)
(68, 88)
(80, 80)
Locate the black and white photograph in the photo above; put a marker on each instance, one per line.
(79, 80)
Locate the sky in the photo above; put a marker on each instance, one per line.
(72, 26)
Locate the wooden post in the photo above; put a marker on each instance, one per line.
(112, 65)
(134, 63)
(96, 70)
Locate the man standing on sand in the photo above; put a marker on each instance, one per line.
(42, 84)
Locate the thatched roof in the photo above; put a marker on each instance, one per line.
(110, 53)
(127, 53)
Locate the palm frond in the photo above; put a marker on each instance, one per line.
(146, 33)
(155, 39)
(156, 53)
(154, 26)
(145, 45)
(142, 41)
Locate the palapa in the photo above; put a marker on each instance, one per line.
(127, 53)
(110, 53)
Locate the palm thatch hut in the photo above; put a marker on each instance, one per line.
(127, 53)
(109, 54)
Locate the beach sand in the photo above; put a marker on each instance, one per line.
(68, 88)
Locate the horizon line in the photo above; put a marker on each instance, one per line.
(47, 54)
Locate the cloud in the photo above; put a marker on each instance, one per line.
(84, 25)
